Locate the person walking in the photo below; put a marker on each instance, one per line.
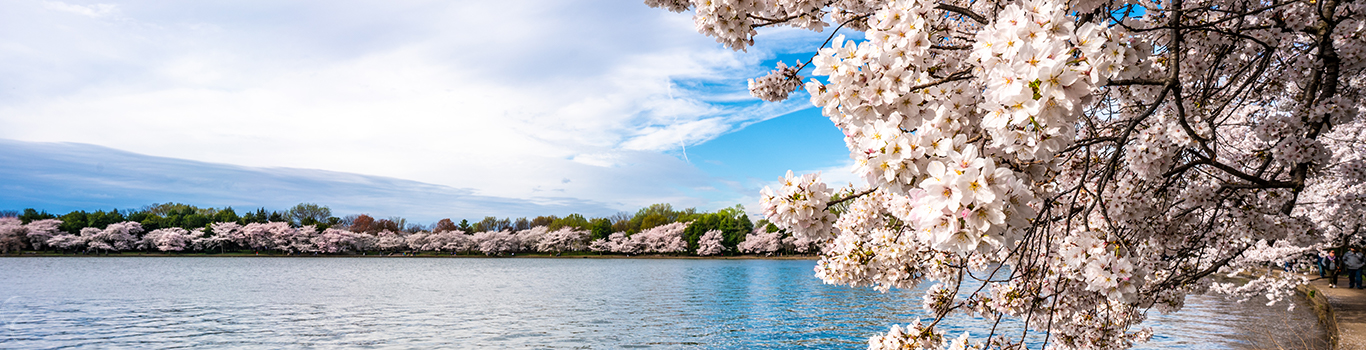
(1352, 261)
(1330, 263)
(1319, 263)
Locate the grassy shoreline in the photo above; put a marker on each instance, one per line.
(575, 255)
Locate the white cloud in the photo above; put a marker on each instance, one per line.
(840, 176)
(508, 98)
(606, 160)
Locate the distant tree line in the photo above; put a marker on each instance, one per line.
(311, 228)
(157, 216)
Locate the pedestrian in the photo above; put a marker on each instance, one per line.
(1319, 262)
(1352, 261)
(1330, 263)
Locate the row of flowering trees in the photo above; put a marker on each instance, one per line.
(284, 238)
(733, 223)
(763, 241)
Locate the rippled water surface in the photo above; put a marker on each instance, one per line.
(255, 303)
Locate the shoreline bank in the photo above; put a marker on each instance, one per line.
(1322, 308)
(1343, 311)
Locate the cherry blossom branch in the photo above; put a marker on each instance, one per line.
(963, 11)
(1214, 267)
(850, 197)
(828, 38)
(955, 76)
(951, 47)
(1124, 82)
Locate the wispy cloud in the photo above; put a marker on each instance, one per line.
(93, 10)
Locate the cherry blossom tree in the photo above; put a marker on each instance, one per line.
(166, 239)
(301, 239)
(802, 244)
(496, 242)
(762, 242)
(390, 241)
(67, 242)
(1337, 206)
(40, 231)
(87, 239)
(710, 243)
(618, 242)
(451, 240)
(12, 234)
(114, 237)
(606, 244)
(256, 236)
(531, 238)
(418, 241)
(364, 241)
(332, 241)
(666, 238)
(1069, 164)
(222, 233)
(225, 229)
(565, 239)
(662, 239)
(277, 236)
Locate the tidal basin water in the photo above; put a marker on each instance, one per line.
(259, 303)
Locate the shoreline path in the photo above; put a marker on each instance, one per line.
(1348, 311)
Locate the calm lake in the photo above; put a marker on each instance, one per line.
(257, 303)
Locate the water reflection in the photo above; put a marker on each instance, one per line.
(500, 303)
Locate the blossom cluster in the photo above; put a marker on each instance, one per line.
(1089, 258)
(799, 206)
(777, 84)
(1084, 161)
(732, 22)
(1040, 71)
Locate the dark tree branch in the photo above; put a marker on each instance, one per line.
(850, 197)
(963, 11)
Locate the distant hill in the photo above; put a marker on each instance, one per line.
(60, 177)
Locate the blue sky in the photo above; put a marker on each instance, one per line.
(507, 108)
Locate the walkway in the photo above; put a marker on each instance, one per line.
(1349, 307)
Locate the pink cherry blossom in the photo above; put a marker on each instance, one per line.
(1084, 162)
(710, 243)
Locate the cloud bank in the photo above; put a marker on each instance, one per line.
(530, 99)
(59, 177)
